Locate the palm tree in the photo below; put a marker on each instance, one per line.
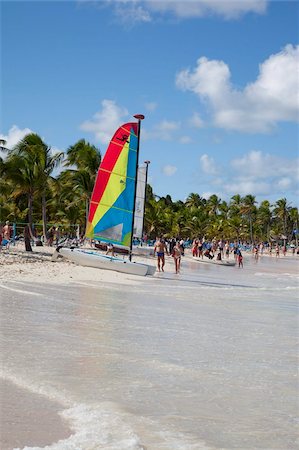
(224, 210)
(264, 217)
(248, 208)
(194, 201)
(235, 205)
(40, 163)
(282, 213)
(86, 158)
(213, 204)
(294, 219)
(20, 171)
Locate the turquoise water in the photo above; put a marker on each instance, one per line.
(202, 360)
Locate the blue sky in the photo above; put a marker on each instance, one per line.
(217, 82)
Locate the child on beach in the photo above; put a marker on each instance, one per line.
(110, 249)
(176, 254)
(195, 248)
(239, 257)
(277, 251)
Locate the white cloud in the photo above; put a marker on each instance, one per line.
(258, 165)
(151, 106)
(260, 174)
(208, 194)
(284, 183)
(273, 97)
(208, 165)
(196, 121)
(164, 130)
(169, 170)
(246, 186)
(106, 121)
(130, 12)
(15, 134)
(185, 140)
(133, 11)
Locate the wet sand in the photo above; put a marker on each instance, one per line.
(28, 419)
(130, 350)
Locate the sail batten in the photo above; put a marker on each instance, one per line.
(109, 171)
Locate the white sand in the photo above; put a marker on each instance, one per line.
(36, 266)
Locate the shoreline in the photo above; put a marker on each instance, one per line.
(18, 265)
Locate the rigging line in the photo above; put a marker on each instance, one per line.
(118, 174)
(120, 144)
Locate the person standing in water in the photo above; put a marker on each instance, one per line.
(177, 253)
(239, 257)
(160, 249)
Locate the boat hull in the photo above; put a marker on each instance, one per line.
(93, 259)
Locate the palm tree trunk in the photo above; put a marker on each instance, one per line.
(30, 209)
(251, 234)
(27, 236)
(44, 216)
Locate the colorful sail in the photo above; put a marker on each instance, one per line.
(112, 202)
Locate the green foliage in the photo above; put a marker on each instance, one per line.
(29, 192)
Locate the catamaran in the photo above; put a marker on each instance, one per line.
(112, 205)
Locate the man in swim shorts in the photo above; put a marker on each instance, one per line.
(160, 249)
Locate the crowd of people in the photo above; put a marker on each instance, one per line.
(215, 249)
(175, 247)
(9, 235)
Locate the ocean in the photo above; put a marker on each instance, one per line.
(206, 359)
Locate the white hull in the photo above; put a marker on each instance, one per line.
(93, 259)
(222, 262)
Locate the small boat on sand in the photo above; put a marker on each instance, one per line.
(93, 258)
(112, 205)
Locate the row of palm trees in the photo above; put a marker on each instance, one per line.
(30, 193)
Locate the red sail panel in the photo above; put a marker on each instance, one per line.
(106, 167)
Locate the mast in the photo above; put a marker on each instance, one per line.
(139, 117)
(146, 172)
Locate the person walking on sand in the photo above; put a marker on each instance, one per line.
(277, 251)
(226, 247)
(195, 248)
(110, 249)
(200, 249)
(50, 236)
(239, 257)
(7, 231)
(177, 253)
(160, 249)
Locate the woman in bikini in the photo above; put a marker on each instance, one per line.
(177, 253)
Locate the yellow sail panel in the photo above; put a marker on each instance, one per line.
(115, 186)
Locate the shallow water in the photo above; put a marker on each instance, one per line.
(202, 360)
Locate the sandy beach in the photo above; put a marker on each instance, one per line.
(17, 264)
(98, 359)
